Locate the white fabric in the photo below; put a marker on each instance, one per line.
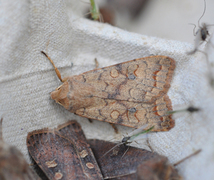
(27, 78)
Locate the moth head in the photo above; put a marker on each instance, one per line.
(60, 95)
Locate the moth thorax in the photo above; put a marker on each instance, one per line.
(60, 95)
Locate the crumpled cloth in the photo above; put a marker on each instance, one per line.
(27, 78)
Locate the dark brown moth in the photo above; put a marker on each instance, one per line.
(131, 94)
(136, 164)
(157, 169)
(13, 166)
(63, 153)
(115, 165)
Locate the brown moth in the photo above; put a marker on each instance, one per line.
(12, 163)
(131, 94)
(136, 164)
(157, 169)
(63, 153)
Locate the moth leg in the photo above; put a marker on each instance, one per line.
(90, 120)
(148, 144)
(184, 159)
(114, 127)
(96, 63)
(55, 68)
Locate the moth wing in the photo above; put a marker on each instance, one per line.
(133, 114)
(63, 153)
(139, 80)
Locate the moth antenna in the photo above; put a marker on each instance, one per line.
(55, 68)
(202, 13)
(111, 149)
(194, 33)
(125, 152)
(184, 159)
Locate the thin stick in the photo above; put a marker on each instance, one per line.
(190, 109)
(1, 137)
(193, 154)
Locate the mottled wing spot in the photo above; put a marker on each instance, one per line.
(115, 114)
(90, 165)
(140, 71)
(83, 153)
(137, 94)
(80, 111)
(132, 77)
(165, 124)
(51, 164)
(58, 175)
(132, 68)
(132, 110)
(114, 73)
(141, 114)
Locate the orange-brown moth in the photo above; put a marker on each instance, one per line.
(131, 94)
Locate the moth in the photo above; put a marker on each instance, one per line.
(158, 169)
(131, 94)
(137, 163)
(65, 153)
(133, 165)
(12, 163)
